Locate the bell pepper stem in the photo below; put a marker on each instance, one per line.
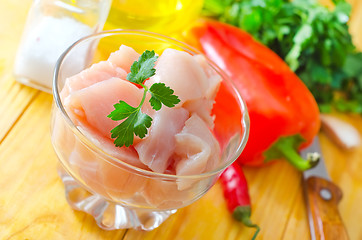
(242, 214)
(287, 148)
(293, 157)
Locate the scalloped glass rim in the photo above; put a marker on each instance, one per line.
(244, 123)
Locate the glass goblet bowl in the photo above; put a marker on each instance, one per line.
(117, 194)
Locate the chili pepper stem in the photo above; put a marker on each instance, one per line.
(242, 214)
(293, 157)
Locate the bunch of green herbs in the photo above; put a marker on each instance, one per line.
(312, 39)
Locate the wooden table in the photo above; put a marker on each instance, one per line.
(32, 202)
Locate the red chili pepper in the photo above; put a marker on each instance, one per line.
(237, 196)
(284, 116)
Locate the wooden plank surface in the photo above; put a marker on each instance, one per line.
(32, 202)
(14, 97)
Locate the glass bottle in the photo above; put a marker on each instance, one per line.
(51, 27)
(160, 16)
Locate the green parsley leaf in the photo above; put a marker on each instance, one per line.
(143, 121)
(143, 69)
(121, 111)
(136, 122)
(124, 132)
(162, 94)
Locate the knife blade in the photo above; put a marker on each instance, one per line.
(322, 197)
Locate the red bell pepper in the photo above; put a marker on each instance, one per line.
(284, 116)
(236, 193)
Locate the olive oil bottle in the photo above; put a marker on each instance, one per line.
(161, 16)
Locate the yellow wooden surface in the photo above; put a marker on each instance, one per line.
(32, 203)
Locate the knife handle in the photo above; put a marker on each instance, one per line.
(323, 199)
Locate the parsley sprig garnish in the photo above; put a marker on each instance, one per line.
(137, 122)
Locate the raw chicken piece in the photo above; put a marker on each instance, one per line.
(194, 154)
(164, 194)
(96, 73)
(180, 71)
(86, 166)
(196, 147)
(202, 107)
(127, 155)
(156, 148)
(214, 78)
(124, 57)
(108, 177)
(96, 102)
(103, 176)
(119, 182)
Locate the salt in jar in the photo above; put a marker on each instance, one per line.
(51, 27)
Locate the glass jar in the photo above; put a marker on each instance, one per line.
(51, 27)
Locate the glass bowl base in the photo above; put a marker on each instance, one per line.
(109, 215)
